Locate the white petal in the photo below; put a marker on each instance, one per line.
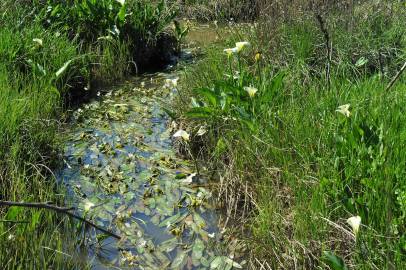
(344, 110)
(241, 45)
(251, 91)
(189, 179)
(182, 134)
(202, 130)
(37, 40)
(354, 222)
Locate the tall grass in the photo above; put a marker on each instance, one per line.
(48, 57)
(220, 10)
(293, 169)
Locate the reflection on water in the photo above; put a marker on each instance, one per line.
(120, 165)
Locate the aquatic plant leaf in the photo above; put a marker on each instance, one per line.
(209, 95)
(334, 261)
(170, 220)
(63, 69)
(180, 260)
(200, 113)
(169, 245)
(197, 251)
(217, 262)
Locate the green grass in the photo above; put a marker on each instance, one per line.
(307, 166)
(221, 10)
(46, 62)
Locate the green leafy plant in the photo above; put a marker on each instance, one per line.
(334, 261)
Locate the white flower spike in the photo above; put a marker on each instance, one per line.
(241, 45)
(344, 110)
(230, 51)
(354, 222)
(182, 134)
(251, 91)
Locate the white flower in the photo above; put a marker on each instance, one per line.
(189, 179)
(354, 222)
(171, 83)
(88, 205)
(202, 130)
(230, 51)
(39, 41)
(344, 110)
(251, 90)
(241, 45)
(122, 2)
(182, 134)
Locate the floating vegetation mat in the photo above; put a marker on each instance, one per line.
(122, 173)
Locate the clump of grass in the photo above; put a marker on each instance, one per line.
(221, 10)
(49, 56)
(303, 154)
(139, 25)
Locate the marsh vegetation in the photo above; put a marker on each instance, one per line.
(290, 112)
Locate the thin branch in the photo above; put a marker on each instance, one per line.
(63, 210)
(329, 46)
(392, 82)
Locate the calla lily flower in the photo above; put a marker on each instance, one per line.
(231, 51)
(241, 45)
(171, 83)
(354, 222)
(182, 134)
(88, 205)
(38, 40)
(251, 91)
(344, 110)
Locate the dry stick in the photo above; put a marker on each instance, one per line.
(396, 77)
(63, 210)
(329, 46)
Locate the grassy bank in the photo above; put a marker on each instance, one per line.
(304, 135)
(220, 10)
(52, 54)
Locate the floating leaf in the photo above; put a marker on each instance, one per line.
(197, 251)
(170, 220)
(217, 262)
(179, 260)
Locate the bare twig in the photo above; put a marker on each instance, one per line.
(63, 210)
(392, 82)
(328, 44)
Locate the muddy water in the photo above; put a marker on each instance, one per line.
(121, 172)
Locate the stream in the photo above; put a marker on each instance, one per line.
(121, 172)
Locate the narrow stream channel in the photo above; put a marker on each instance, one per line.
(122, 172)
